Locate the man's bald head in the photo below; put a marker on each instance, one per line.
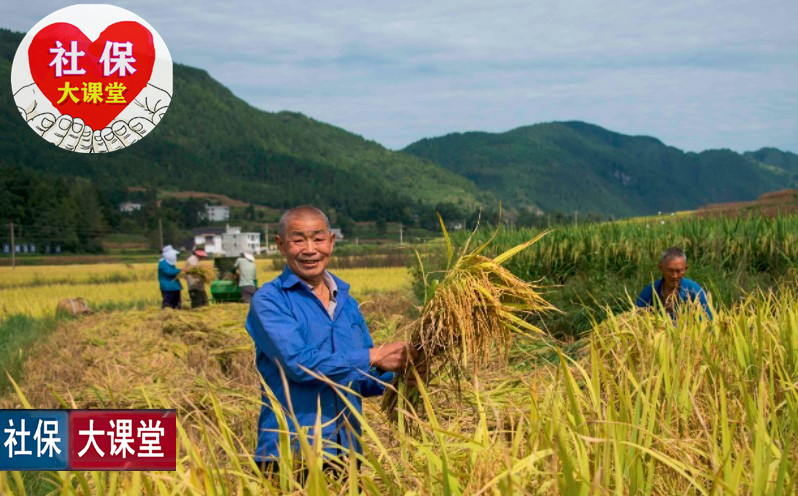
(297, 212)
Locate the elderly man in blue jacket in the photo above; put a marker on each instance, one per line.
(305, 324)
(673, 288)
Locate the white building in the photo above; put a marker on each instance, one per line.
(217, 212)
(210, 238)
(235, 243)
(227, 241)
(129, 206)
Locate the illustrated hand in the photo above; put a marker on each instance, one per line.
(69, 134)
(61, 130)
(31, 103)
(152, 103)
(135, 122)
(392, 357)
(114, 137)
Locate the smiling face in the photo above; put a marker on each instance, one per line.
(673, 271)
(307, 246)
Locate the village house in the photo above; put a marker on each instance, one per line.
(217, 213)
(225, 241)
(130, 207)
(210, 238)
(234, 242)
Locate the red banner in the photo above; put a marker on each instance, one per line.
(123, 440)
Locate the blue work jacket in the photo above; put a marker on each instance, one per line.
(688, 291)
(167, 276)
(293, 331)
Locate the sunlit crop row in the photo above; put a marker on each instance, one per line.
(752, 243)
(37, 290)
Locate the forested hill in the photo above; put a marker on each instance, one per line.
(570, 166)
(212, 141)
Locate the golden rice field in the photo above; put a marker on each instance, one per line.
(36, 290)
(643, 405)
(647, 407)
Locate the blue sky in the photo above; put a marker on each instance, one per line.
(695, 74)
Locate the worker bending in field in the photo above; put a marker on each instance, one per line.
(673, 288)
(305, 325)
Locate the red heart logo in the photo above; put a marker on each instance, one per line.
(79, 95)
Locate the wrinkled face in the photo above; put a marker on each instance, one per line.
(307, 246)
(673, 271)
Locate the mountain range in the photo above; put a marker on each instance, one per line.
(578, 166)
(212, 141)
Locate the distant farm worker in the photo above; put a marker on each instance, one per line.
(196, 285)
(247, 275)
(306, 326)
(167, 278)
(673, 288)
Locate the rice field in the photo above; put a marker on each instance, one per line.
(642, 404)
(36, 290)
(645, 407)
(758, 244)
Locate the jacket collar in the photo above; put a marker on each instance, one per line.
(682, 291)
(288, 280)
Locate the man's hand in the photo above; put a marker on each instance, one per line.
(392, 357)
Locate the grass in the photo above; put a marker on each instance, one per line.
(18, 333)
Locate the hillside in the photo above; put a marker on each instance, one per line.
(772, 204)
(577, 166)
(773, 156)
(212, 141)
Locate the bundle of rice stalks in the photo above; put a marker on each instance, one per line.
(471, 314)
(204, 272)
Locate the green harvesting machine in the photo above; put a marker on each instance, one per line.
(225, 288)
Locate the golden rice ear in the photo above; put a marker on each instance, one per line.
(470, 314)
(449, 250)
